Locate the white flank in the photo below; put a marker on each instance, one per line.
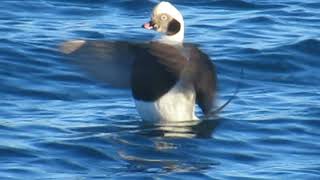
(175, 106)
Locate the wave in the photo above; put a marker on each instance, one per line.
(233, 4)
(294, 64)
(306, 46)
(258, 20)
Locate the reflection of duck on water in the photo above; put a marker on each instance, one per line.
(150, 149)
(187, 129)
(167, 77)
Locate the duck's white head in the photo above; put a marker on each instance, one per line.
(167, 20)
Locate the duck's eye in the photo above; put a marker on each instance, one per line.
(164, 17)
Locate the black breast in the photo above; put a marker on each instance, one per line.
(155, 71)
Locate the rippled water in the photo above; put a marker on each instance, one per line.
(57, 123)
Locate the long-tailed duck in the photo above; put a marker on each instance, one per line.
(166, 76)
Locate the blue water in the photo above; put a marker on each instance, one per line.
(58, 123)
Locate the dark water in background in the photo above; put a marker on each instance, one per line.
(56, 123)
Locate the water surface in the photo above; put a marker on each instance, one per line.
(57, 123)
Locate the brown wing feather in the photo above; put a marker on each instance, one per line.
(109, 62)
(204, 78)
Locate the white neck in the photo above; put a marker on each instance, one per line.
(173, 39)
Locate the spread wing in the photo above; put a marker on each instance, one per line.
(109, 62)
(154, 63)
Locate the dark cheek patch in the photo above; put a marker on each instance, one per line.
(173, 27)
